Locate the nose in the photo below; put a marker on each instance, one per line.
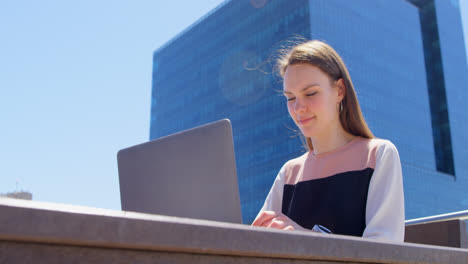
(299, 106)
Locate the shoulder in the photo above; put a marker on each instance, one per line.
(381, 148)
(370, 151)
(380, 144)
(292, 167)
(384, 147)
(296, 161)
(386, 156)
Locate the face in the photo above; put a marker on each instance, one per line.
(313, 100)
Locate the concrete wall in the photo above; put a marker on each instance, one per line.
(34, 232)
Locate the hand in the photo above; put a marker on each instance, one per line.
(271, 219)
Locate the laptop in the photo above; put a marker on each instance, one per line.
(188, 174)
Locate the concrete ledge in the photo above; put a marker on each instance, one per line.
(450, 233)
(54, 233)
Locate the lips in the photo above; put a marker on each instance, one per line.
(305, 120)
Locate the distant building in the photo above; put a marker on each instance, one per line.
(19, 195)
(407, 61)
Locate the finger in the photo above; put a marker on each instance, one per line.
(277, 224)
(265, 220)
(289, 228)
(278, 219)
(263, 217)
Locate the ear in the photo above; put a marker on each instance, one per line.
(341, 88)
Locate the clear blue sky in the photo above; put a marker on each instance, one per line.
(75, 80)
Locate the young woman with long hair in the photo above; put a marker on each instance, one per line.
(349, 182)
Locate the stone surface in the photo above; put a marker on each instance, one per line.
(31, 231)
(53, 254)
(443, 233)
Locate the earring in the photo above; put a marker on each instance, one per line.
(341, 106)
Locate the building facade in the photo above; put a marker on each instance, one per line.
(406, 59)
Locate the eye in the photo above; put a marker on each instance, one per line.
(311, 94)
(290, 99)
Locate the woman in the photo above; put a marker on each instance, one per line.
(349, 181)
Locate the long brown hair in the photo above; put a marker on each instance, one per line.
(323, 56)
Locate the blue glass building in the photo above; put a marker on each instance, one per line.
(407, 61)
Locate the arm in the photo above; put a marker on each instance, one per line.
(270, 214)
(274, 199)
(385, 211)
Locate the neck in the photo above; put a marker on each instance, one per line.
(332, 139)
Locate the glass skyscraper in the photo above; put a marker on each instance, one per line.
(406, 59)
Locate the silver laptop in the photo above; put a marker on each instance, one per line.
(187, 174)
